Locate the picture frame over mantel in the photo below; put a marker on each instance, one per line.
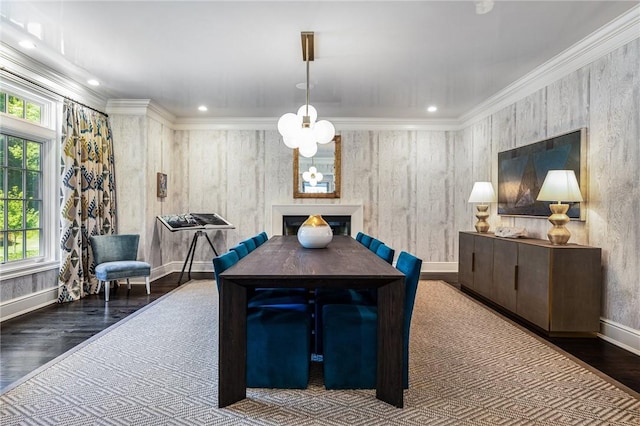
(521, 172)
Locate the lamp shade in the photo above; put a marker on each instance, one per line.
(560, 185)
(482, 192)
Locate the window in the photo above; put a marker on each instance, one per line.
(21, 198)
(21, 108)
(28, 147)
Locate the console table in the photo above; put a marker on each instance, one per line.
(556, 288)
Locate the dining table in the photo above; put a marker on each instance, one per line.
(282, 262)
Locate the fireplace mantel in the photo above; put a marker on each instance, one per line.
(280, 210)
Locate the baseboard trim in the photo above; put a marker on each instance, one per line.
(620, 335)
(28, 303)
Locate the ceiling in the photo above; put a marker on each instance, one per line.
(373, 59)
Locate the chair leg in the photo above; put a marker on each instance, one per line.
(146, 281)
(128, 284)
(107, 287)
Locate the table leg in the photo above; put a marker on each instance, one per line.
(390, 326)
(232, 343)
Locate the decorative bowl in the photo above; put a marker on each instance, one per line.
(315, 232)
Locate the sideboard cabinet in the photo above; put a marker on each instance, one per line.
(556, 288)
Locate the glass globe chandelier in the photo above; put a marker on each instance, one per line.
(302, 130)
(313, 176)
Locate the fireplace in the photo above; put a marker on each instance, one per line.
(342, 214)
(340, 225)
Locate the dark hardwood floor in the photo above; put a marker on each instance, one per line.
(30, 341)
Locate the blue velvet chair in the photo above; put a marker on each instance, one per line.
(386, 253)
(329, 296)
(366, 240)
(115, 258)
(350, 336)
(240, 249)
(261, 238)
(257, 239)
(251, 245)
(359, 236)
(374, 244)
(278, 339)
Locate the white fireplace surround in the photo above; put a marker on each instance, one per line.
(280, 210)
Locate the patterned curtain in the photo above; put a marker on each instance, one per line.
(87, 196)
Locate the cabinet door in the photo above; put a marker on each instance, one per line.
(465, 260)
(532, 302)
(505, 264)
(483, 266)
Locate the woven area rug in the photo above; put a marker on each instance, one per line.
(468, 367)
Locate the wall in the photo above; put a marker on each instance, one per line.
(604, 97)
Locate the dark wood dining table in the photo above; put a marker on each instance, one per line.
(282, 262)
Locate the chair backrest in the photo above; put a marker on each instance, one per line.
(359, 236)
(366, 240)
(240, 249)
(374, 244)
(251, 245)
(257, 239)
(385, 252)
(113, 248)
(222, 263)
(263, 235)
(410, 266)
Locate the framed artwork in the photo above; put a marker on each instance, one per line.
(161, 185)
(521, 172)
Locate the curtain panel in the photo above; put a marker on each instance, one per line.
(87, 196)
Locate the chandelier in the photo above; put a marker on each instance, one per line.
(302, 130)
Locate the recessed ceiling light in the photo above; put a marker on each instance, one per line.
(432, 108)
(27, 44)
(202, 108)
(93, 82)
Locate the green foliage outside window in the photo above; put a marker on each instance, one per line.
(21, 198)
(21, 108)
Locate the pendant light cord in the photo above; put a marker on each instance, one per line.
(306, 39)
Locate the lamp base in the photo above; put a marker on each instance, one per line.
(559, 235)
(482, 225)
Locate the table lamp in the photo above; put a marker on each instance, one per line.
(482, 194)
(559, 185)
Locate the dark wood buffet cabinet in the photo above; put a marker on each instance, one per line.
(556, 288)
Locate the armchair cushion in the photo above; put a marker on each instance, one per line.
(110, 271)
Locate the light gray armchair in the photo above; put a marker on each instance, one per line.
(115, 258)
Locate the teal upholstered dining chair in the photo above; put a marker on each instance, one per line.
(359, 236)
(250, 244)
(278, 339)
(240, 249)
(115, 258)
(260, 238)
(332, 296)
(374, 244)
(386, 253)
(350, 336)
(366, 240)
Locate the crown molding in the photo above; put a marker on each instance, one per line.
(342, 123)
(606, 39)
(22, 65)
(145, 107)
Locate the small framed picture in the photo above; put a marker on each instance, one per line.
(162, 185)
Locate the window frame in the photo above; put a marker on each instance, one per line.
(48, 132)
